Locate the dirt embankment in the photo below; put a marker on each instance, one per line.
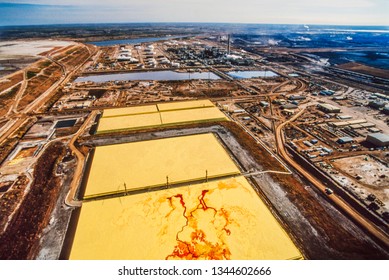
(364, 69)
(21, 238)
(40, 79)
(45, 73)
(10, 143)
(72, 57)
(7, 98)
(10, 200)
(11, 81)
(210, 89)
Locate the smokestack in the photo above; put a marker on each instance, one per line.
(229, 44)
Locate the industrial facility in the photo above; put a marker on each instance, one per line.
(205, 146)
(378, 139)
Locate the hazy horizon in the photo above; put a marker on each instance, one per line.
(328, 12)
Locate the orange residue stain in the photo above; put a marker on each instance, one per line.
(201, 199)
(199, 247)
(224, 214)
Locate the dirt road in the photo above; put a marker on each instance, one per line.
(70, 198)
(18, 119)
(338, 201)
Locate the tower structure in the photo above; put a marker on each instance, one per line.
(229, 44)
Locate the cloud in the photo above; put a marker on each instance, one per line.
(357, 12)
(276, 4)
(330, 4)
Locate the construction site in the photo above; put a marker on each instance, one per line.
(189, 148)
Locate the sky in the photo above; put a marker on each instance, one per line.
(337, 12)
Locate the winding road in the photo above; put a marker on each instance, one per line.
(337, 200)
(70, 199)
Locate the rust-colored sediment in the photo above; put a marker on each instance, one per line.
(198, 247)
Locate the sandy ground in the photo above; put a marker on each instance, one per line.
(370, 169)
(17, 49)
(375, 178)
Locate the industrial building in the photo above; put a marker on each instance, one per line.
(279, 101)
(308, 144)
(345, 140)
(327, 92)
(296, 97)
(289, 106)
(376, 104)
(347, 123)
(288, 112)
(362, 125)
(378, 139)
(327, 150)
(328, 108)
(339, 98)
(344, 117)
(382, 96)
(374, 130)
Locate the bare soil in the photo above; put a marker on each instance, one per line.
(10, 81)
(39, 84)
(364, 69)
(7, 98)
(10, 143)
(21, 238)
(10, 200)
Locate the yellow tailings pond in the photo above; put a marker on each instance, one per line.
(216, 220)
(164, 114)
(222, 218)
(146, 164)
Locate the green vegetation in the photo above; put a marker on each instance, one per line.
(45, 64)
(31, 74)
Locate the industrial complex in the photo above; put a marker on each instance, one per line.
(198, 147)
